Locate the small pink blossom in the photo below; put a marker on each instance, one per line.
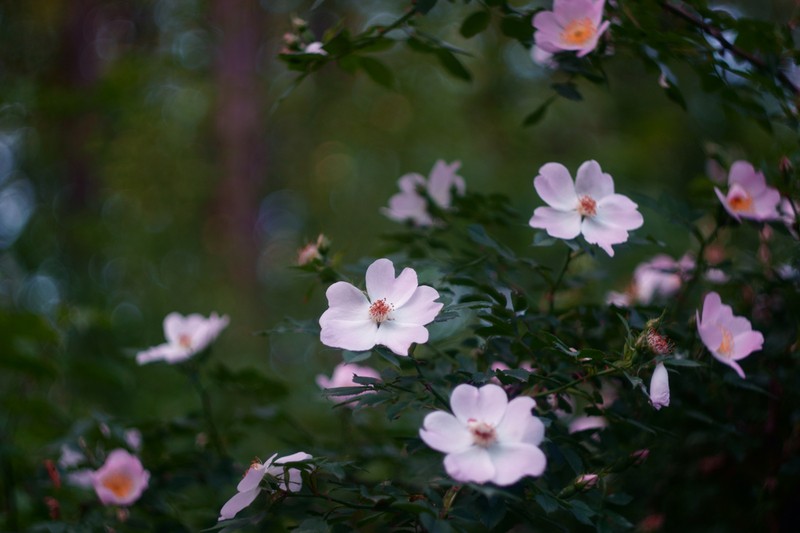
(729, 338)
(186, 336)
(409, 204)
(588, 206)
(250, 485)
(393, 313)
(659, 387)
(748, 195)
(586, 481)
(121, 480)
(313, 251)
(487, 438)
(343, 376)
(572, 25)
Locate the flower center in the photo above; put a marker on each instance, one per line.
(483, 434)
(726, 346)
(587, 207)
(185, 341)
(379, 310)
(118, 483)
(741, 201)
(578, 32)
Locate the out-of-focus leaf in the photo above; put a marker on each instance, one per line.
(377, 71)
(475, 23)
(538, 114)
(568, 90)
(453, 65)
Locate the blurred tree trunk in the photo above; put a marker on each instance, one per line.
(240, 135)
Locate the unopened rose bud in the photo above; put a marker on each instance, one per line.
(640, 456)
(785, 165)
(586, 481)
(659, 344)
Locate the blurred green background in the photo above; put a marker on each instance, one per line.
(148, 165)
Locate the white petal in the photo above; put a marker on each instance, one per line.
(443, 178)
(473, 464)
(620, 211)
(173, 327)
(593, 182)
(514, 425)
(403, 287)
(348, 335)
(420, 309)
(445, 433)
(554, 185)
(399, 337)
(659, 387)
(380, 279)
(559, 224)
(516, 460)
(252, 478)
(487, 404)
(347, 301)
(239, 501)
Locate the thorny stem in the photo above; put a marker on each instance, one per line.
(680, 11)
(427, 384)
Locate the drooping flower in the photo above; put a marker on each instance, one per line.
(659, 387)
(729, 338)
(572, 25)
(409, 204)
(487, 438)
(588, 206)
(748, 195)
(393, 313)
(250, 485)
(186, 336)
(121, 480)
(343, 376)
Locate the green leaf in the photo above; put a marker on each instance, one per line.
(546, 502)
(568, 90)
(423, 6)
(355, 357)
(582, 512)
(452, 65)
(538, 114)
(475, 23)
(518, 27)
(377, 71)
(312, 525)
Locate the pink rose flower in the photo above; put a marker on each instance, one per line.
(748, 195)
(729, 338)
(343, 376)
(393, 313)
(121, 480)
(572, 25)
(186, 336)
(588, 206)
(487, 438)
(409, 204)
(250, 485)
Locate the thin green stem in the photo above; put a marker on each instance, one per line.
(427, 384)
(551, 296)
(205, 401)
(574, 382)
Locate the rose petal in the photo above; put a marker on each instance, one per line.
(445, 433)
(554, 185)
(512, 461)
(487, 404)
(238, 502)
(473, 464)
(593, 182)
(559, 224)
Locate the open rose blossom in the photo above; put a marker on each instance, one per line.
(588, 206)
(409, 204)
(487, 438)
(343, 376)
(748, 195)
(186, 336)
(121, 479)
(729, 338)
(250, 485)
(393, 313)
(659, 387)
(572, 25)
